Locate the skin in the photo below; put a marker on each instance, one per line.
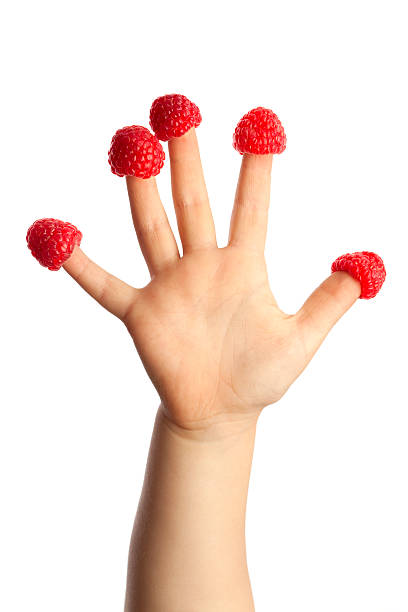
(218, 349)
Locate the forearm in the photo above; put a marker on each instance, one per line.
(187, 552)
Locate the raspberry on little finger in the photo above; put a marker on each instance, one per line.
(52, 241)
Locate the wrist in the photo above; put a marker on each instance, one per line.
(220, 427)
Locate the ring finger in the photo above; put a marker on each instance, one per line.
(152, 226)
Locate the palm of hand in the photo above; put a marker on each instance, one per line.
(208, 330)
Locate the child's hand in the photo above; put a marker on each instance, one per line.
(207, 327)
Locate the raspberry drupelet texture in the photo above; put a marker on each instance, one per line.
(259, 132)
(135, 151)
(173, 115)
(52, 241)
(366, 267)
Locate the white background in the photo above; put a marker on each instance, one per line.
(327, 515)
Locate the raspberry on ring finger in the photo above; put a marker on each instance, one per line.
(135, 151)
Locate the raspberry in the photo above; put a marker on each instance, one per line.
(173, 115)
(368, 268)
(135, 151)
(259, 132)
(52, 241)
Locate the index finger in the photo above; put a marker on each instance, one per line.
(249, 219)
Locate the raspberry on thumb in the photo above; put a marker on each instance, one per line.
(366, 267)
(173, 115)
(52, 241)
(135, 151)
(259, 132)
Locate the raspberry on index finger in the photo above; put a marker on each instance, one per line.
(259, 132)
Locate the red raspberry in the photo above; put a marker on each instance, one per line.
(173, 115)
(135, 151)
(259, 132)
(52, 241)
(368, 268)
